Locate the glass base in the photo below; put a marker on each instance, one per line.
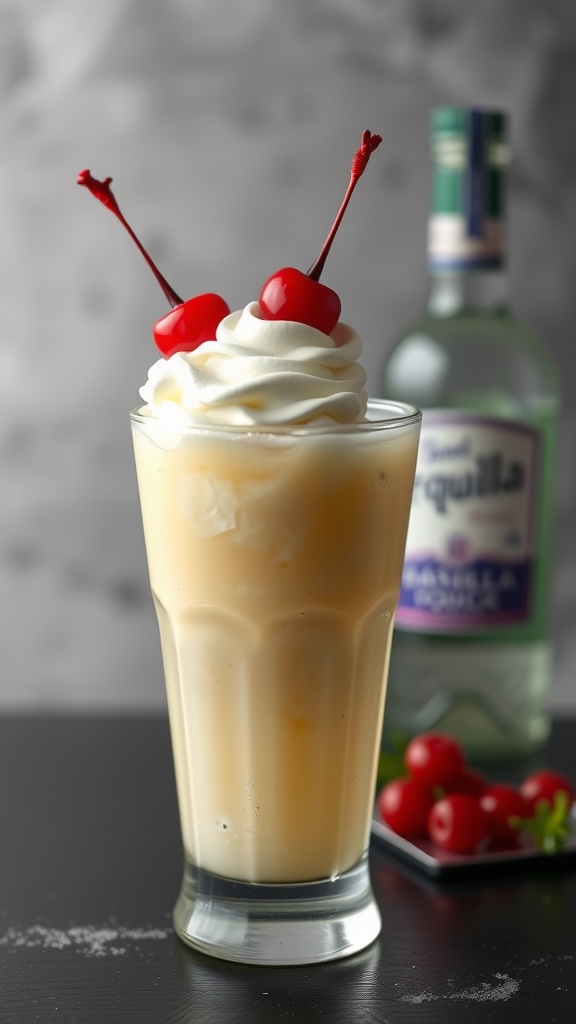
(277, 925)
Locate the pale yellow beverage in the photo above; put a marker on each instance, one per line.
(275, 561)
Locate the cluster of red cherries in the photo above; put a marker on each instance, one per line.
(444, 800)
(289, 294)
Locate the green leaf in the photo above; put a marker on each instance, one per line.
(549, 827)
(391, 761)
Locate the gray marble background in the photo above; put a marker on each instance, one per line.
(228, 126)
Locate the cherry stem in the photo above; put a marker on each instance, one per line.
(361, 157)
(101, 190)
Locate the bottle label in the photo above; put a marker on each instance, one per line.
(471, 541)
(451, 245)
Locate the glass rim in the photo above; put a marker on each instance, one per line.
(393, 415)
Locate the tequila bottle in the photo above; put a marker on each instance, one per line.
(471, 653)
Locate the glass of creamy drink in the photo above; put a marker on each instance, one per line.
(275, 558)
(275, 501)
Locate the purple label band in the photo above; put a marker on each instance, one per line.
(489, 262)
(476, 170)
(477, 595)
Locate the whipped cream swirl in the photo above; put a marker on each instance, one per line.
(261, 373)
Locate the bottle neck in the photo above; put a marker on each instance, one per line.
(478, 292)
(466, 228)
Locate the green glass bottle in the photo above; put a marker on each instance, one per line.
(471, 653)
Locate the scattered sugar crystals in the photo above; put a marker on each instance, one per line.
(503, 987)
(90, 940)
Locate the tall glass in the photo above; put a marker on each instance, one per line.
(275, 559)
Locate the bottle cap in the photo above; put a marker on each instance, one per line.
(459, 121)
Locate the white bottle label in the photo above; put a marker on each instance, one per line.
(470, 549)
(454, 245)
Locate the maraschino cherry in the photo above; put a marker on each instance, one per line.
(189, 322)
(290, 294)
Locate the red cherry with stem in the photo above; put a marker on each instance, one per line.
(290, 294)
(190, 322)
(188, 325)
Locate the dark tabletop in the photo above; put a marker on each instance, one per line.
(90, 861)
